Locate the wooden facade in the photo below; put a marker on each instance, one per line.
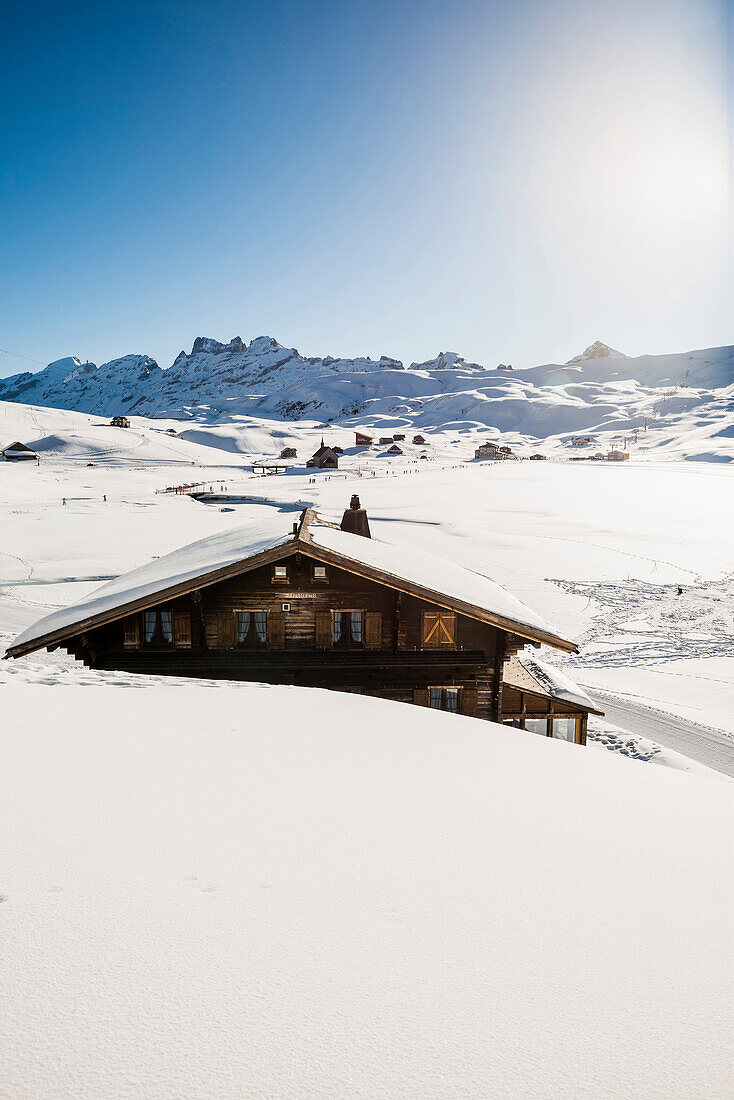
(300, 613)
(317, 626)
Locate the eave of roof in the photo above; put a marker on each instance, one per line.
(300, 541)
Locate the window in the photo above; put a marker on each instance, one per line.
(280, 572)
(537, 725)
(348, 627)
(564, 729)
(439, 629)
(319, 572)
(445, 699)
(252, 628)
(158, 627)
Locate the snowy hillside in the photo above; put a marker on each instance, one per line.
(207, 897)
(236, 890)
(601, 391)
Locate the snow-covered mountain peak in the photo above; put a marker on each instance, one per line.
(447, 360)
(597, 350)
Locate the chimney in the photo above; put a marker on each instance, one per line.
(355, 519)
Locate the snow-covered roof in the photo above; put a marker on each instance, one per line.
(529, 674)
(203, 562)
(435, 575)
(189, 563)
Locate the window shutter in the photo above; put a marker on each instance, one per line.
(182, 629)
(131, 632)
(421, 697)
(439, 629)
(276, 630)
(373, 629)
(324, 630)
(468, 701)
(225, 629)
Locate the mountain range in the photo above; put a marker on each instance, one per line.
(601, 390)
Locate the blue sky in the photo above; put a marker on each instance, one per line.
(509, 181)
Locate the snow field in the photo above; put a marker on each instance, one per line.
(240, 890)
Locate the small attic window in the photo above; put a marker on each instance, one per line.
(280, 572)
(319, 573)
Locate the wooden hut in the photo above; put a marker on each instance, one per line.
(394, 450)
(289, 452)
(385, 439)
(362, 440)
(324, 606)
(419, 440)
(399, 437)
(618, 456)
(19, 452)
(119, 422)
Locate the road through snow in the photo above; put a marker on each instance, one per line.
(709, 746)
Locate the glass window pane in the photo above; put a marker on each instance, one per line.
(243, 626)
(451, 697)
(537, 725)
(167, 626)
(436, 698)
(319, 572)
(339, 626)
(261, 626)
(564, 729)
(281, 571)
(150, 621)
(355, 622)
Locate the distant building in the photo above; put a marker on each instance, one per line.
(325, 458)
(506, 450)
(504, 366)
(419, 440)
(362, 440)
(18, 452)
(394, 450)
(399, 437)
(338, 450)
(289, 452)
(119, 422)
(385, 439)
(488, 450)
(537, 458)
(618, 456)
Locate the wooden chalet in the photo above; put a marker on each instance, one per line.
(289, 452)
(362, 440)
(418, 439)
(119, 422)
(385, 439)
(18, 452)
(325, 458)
(324, 605)
(394, 450)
